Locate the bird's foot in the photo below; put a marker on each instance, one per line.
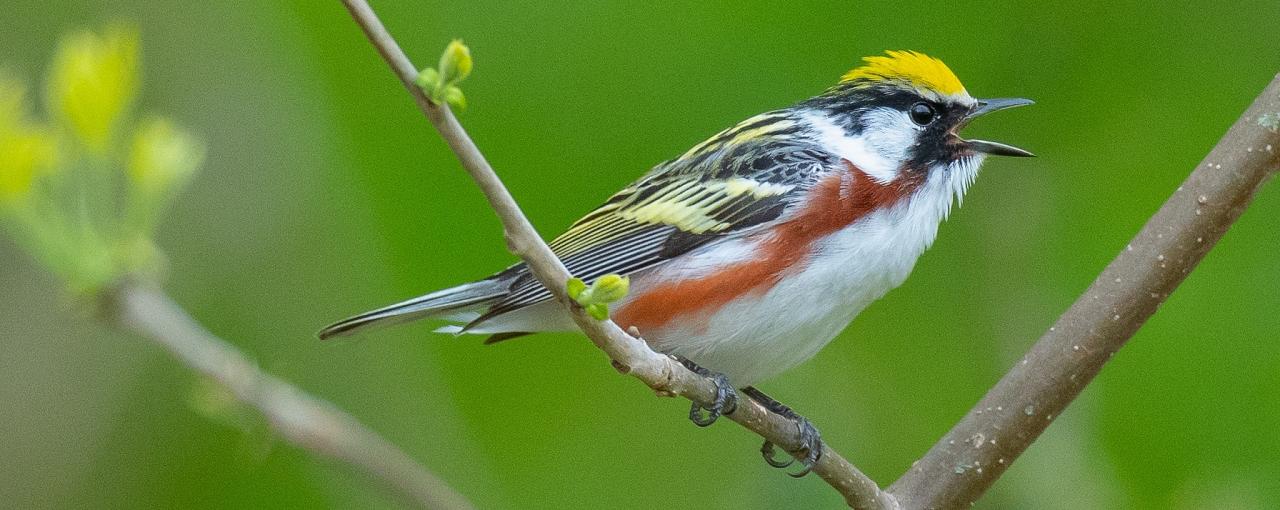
(810, 444)
(726, 398)
(810, 438)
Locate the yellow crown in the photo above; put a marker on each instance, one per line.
(917, 69)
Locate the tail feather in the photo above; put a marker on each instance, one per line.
(436, 304)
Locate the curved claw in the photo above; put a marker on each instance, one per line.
(726, 402)
(696, 416)
(810, 443)
(771, 458)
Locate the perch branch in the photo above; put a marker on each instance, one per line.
(306, 421)
(969, 458)
(661, 373)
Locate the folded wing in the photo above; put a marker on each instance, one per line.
(743, 179)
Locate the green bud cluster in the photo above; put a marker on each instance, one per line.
(440, 84)
(595, 298)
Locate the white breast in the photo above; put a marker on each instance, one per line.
(756, 337)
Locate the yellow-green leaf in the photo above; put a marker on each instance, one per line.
(92, 83)
(455, 62)
(574, 287)
(162, 157)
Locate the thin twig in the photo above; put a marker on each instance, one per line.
(966, 461)
(306, 421)
(661, 373)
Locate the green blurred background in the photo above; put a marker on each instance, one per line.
(326, 193)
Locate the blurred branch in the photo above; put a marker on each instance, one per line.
(630, 354)
(966, 461)
(306, 421)
(83, 190)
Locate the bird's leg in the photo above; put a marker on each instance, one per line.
(726, 398)
(810, 439)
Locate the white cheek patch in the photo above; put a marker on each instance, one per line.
(891, 133)
(881, 148)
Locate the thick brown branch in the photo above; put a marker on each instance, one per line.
(965, 462)
(304, 420)
(659, 372)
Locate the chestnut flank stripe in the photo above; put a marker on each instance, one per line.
(835, 202)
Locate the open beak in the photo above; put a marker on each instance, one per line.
(986, 106)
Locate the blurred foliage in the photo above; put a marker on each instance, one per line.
(325, 193)
(83, 191)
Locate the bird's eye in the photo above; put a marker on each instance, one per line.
(922, 113)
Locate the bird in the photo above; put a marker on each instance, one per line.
(752, 250)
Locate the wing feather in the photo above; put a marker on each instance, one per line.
(743, 178)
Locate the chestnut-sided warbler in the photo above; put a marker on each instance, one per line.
(752, 250)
